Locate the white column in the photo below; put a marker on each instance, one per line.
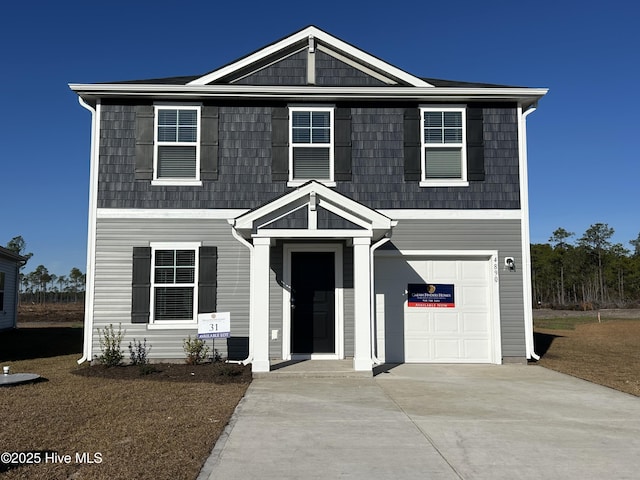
(260, 303)
(362, 304)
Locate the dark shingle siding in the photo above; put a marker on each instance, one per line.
(290, 71)
(245, 164)
(335, 73)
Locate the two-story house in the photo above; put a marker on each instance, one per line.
(335, 205)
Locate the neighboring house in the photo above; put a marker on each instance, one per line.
(10, 264)
(335, 205)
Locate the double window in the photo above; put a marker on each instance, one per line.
(311, 155)
(177, 144)
(443, 146)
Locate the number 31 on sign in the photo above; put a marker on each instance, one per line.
(214, 325)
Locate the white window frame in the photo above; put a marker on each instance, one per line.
(330, 182)
(171, 324)
(444, 182)
(195, 181)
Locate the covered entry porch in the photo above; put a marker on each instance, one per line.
(309, 238)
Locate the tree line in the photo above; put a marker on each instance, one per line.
(589, 272)
(40, 286)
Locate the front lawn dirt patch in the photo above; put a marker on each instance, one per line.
(607, 353)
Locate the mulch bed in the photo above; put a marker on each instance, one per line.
(216, 372)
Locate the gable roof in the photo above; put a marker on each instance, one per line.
(312, 37)
(264, 74)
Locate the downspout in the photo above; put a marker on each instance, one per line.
(91, 233)
(526, 241)
(247, 244)
(374, 343)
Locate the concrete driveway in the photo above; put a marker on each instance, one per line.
(431, 422)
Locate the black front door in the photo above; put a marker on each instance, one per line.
(312, 302)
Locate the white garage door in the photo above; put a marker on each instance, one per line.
(421, 332)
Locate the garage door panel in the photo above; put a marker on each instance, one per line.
(417, 350)
(474, 296)
(474, 323)
(447, 349)
(416, 325)
(443, 269)
(474, 270)
(476, 350)
(446, 323)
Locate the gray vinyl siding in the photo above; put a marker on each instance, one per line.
(501, 235)
(8, 313)
(244, 164)
(115, 239)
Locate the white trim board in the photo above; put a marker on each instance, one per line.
(429, 214)
(228, 213)
(152, 213)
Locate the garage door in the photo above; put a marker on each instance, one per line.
(435, 309)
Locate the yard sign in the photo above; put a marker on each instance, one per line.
(214, 325)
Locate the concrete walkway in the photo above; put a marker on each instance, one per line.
(431, 422)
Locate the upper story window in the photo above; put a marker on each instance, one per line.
(174, 280)
(444, 159)
(311, 155)
(177, 144)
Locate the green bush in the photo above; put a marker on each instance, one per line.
(110, 345)
(196, 350)
(138, 352)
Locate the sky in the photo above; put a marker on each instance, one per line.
(582, 141)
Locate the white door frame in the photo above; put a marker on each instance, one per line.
(336, 248)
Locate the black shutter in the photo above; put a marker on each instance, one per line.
(208, 279)
(280, 144)
(144, 142)
(412, 169)
(342, 154)
(475, 144)
(209, 143)
(141, 285)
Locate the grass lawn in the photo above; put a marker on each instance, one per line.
(158, 426)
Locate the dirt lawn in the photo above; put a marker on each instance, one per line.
(605, 352)
(94, 423)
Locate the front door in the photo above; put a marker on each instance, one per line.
(312, 302)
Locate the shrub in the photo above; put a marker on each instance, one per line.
(196, 350)
(110, 345)
(138, 352)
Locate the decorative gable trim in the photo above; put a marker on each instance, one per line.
(347, 52)
(313, 196)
